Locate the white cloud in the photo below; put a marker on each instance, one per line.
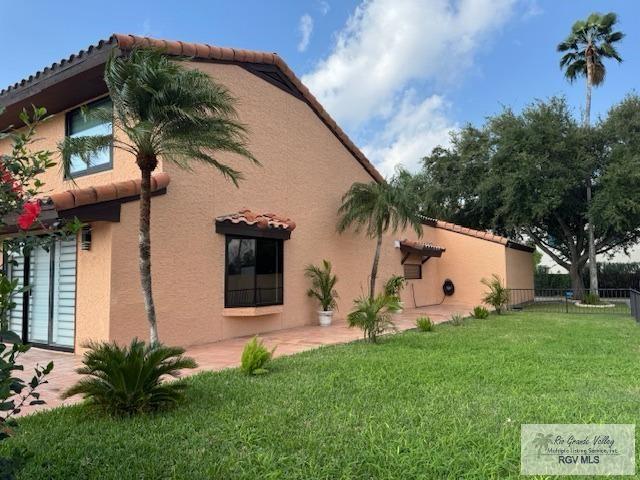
(531, 9)
(414, 129)
(388, 52)
(324, 7)
(305, 27)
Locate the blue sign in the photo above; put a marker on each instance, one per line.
(568, 294)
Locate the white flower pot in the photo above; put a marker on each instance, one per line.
(325, 318)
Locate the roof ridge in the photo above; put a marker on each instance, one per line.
(472, 232)
(226, 54)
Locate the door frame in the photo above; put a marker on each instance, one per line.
(26, 298)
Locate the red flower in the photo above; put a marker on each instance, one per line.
(30, 212)
(8, 179)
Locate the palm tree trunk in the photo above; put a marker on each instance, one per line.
(374, 269)
(593, 265)
(144, 243)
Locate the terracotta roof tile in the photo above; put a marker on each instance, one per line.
(260, 220)
(103, 193)
(483, 234)
(126, 42)
(424, 246)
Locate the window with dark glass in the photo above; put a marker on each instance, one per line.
(253, 272)
(81, 123)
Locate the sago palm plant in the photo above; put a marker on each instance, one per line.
(378, 208)
(162, 110)
(374, 315)
(129, 380)
(323, 283)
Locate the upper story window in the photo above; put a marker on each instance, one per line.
(253, 272)
(81, 124)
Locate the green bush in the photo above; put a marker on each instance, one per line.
(591, 299)
(424, 324)
(394, 286)
(480, 312)
(498, 295)
(322, 285)
(129, 380)
(456, 320)
(373, 315)
(254, 357)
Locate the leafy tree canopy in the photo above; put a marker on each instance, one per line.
(524, 175)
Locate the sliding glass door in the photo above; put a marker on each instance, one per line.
(50, 301)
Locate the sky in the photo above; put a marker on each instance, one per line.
(397, 75)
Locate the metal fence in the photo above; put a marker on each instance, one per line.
(622, 301)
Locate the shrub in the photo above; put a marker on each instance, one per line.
(591, 299)
(480, 312)
(128, 380)
(322, 285)
(498, 295)
(394, 286)
(254, 357)
(373, 315)
(424, 324)
(456, 320)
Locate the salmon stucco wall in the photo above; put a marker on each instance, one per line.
(519, 269)
(467, 261)
(305, 171)
(93, 287)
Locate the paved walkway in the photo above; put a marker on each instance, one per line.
(226, 353)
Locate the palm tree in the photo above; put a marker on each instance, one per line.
(589, 43)
(162, 110)
(378, 208)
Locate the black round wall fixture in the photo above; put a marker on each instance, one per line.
(448, 288)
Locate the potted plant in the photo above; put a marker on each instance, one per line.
(323, 284)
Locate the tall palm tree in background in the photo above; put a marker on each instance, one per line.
(378, 208)
(589, 43)
(162, 110)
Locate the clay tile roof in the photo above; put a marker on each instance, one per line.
(423, 246)
(126, 42)
(260, 220)
(103, 193)
(482, 234)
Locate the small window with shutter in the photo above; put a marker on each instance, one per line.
(412, 271)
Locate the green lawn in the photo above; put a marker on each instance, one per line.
(447, 404)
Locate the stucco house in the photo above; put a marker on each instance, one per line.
(226, 261)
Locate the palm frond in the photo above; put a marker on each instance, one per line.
(83, 148)
(168, 111)
(379, 207)
(323, 283)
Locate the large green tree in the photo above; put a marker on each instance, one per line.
(590, 42)
(162, 110)
(524, 175)
(376, 208)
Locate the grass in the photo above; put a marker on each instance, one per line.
(446, 404)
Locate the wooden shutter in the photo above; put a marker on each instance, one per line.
(412, 271)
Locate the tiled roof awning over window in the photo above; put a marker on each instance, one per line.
(90, 204)
(246, 222)
(424, 250)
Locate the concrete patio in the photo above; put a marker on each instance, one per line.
(226, 353)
